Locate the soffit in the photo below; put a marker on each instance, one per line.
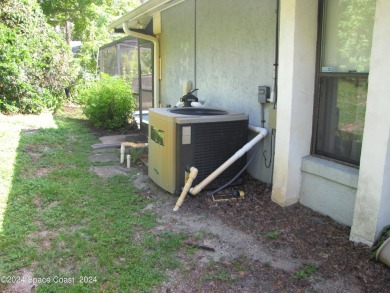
(140, 17)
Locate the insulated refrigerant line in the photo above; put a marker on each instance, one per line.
(195, 51)
(274, 92)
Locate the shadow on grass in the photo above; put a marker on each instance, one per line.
(65, 229)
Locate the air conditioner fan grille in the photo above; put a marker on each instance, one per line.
(214, 143)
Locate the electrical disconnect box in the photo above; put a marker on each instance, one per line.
(263, 94)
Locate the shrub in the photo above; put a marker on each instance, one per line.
(108, 102)
(36, 64)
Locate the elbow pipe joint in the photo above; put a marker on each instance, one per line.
(186, 188)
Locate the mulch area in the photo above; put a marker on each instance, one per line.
(307, 234)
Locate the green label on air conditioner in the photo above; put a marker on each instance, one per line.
(157, 135)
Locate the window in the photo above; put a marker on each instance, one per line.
(345, 34)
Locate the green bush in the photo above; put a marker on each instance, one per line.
(108, 102)
(36, 64)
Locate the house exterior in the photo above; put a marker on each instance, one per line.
(327, 65)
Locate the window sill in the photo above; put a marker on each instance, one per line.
(331, 170)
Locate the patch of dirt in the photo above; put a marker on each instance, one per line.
(43, 237)
(29, 131)
(109, 171)
(260, 246)
(41, 172)
(32, 152)
(52, 205)
(71, 138)
(24, 283)
(38, 202)
(36, 151)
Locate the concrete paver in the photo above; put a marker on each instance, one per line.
(108, 152)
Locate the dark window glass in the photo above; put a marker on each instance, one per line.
(345, 35)
(341, 117)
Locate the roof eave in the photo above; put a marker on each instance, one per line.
(143, 13)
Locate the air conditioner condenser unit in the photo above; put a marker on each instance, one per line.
(200, 137)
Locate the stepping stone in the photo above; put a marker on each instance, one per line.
(113, 139)
(100, 146)
(109, 171)
(105, 151)
(105, 157)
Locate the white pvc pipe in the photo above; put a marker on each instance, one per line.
(123, 150)
(262, 133)
(122, 153)
(156, 57)
(187, 186)
(128, 157)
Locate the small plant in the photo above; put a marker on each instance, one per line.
(135, 154)
(191, 249)
(273, 235)
(239, 264)
(382, 237)
(305, 273)
(108, 102)
(222, 275)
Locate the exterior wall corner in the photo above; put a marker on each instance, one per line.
(371, 212)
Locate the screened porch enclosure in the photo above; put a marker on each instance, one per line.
(132, 59)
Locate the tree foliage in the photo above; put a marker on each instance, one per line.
(76, 11)
(89, 20)
(35, 62)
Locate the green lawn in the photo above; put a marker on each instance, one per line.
(72, 229)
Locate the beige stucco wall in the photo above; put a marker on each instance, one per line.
(372, 208)
(177, 50)
(367, 209)
(297, 52)
(226, 51)
(329, 188)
